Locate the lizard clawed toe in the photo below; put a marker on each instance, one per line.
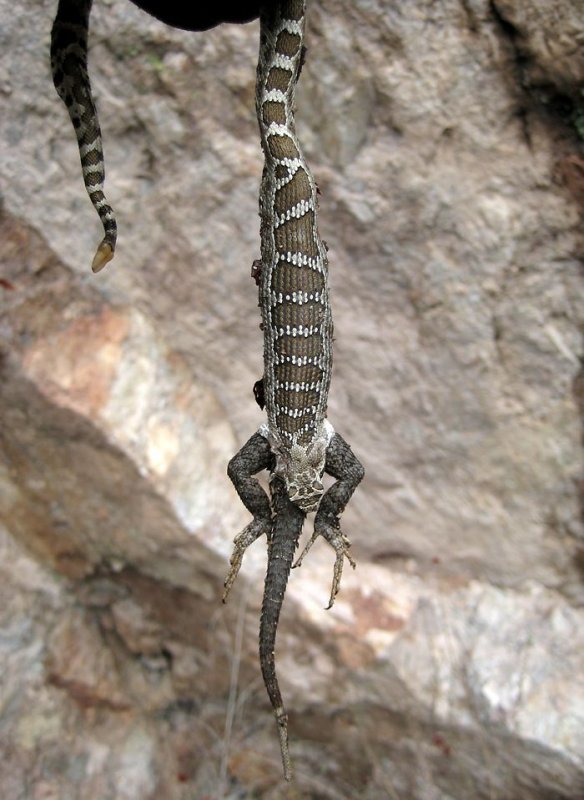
(340, 543)
(253, 531)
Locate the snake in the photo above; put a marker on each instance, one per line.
(297, 444)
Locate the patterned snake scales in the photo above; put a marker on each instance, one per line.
(297, 445)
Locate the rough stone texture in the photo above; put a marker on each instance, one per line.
(444, 138)
(551, 37)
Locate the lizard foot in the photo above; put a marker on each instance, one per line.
(253, 531)
(340, 543)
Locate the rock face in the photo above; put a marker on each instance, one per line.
(447, 140)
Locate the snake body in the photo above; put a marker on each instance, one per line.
(294, 295)
(297, 445)
(71, 79)
(294, 285)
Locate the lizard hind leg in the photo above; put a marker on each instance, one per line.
(340, 544)
(341, 463)
(253, 457)
(71, 79)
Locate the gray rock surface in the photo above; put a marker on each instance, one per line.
(444, 138)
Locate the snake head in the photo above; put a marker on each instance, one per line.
(305, 491)
(303, 477)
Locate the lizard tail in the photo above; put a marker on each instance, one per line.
(288, 521)
(69, 65)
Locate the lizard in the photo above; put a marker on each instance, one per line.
(297, 444)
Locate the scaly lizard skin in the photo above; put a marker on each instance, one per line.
(297, 445)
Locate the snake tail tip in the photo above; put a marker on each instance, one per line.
(104, 255)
